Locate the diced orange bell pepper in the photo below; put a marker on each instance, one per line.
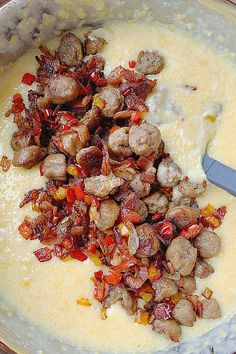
(207, 210)
(154, 273)
(142, 317)
(83, 301)
(79, 192)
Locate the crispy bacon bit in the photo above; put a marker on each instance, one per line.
(31, 196)
(134, 86)
(25, 229)
(5, 163)
(163, 311)
(130, 215)
(43, 254)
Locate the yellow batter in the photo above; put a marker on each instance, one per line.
(46, 293)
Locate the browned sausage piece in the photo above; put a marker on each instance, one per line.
(62, 89)
(156, 203)
(28, 156)
(190, 189)
(141, 209)
(93, 44)
(107, 215)
(182, 216)
(138, 206)
(125, 172)
(117, 293)
(90, 159)
(118, 142)
(184, 313)
(140, 187)
(144, 139)
(170, 328)
(187, 285)
(21, 139)
(150, 62)
(92, 118)
(68, 142)
(102, 185)
(129, 302)
(54, 167)
(168, 173)
(210, 309)
(182, 255)
(164, 288)
(207, 243)
(203, 269)
(133, 282)
(113, 101)
(52, 147)
(148, 241)
(70, 50)
(73, 140)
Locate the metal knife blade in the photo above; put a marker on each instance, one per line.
(220, 174)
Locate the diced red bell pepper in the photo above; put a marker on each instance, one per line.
(165, 228)
(132, 64)
(93, 249)
(79, 255)
(99, 291)
(98, 275)
(79, 192)
(191, 232)
(113, 278)
(70, 196)
(109, 240)
(28, 79)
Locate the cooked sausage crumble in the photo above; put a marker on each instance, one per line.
(109, 194)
